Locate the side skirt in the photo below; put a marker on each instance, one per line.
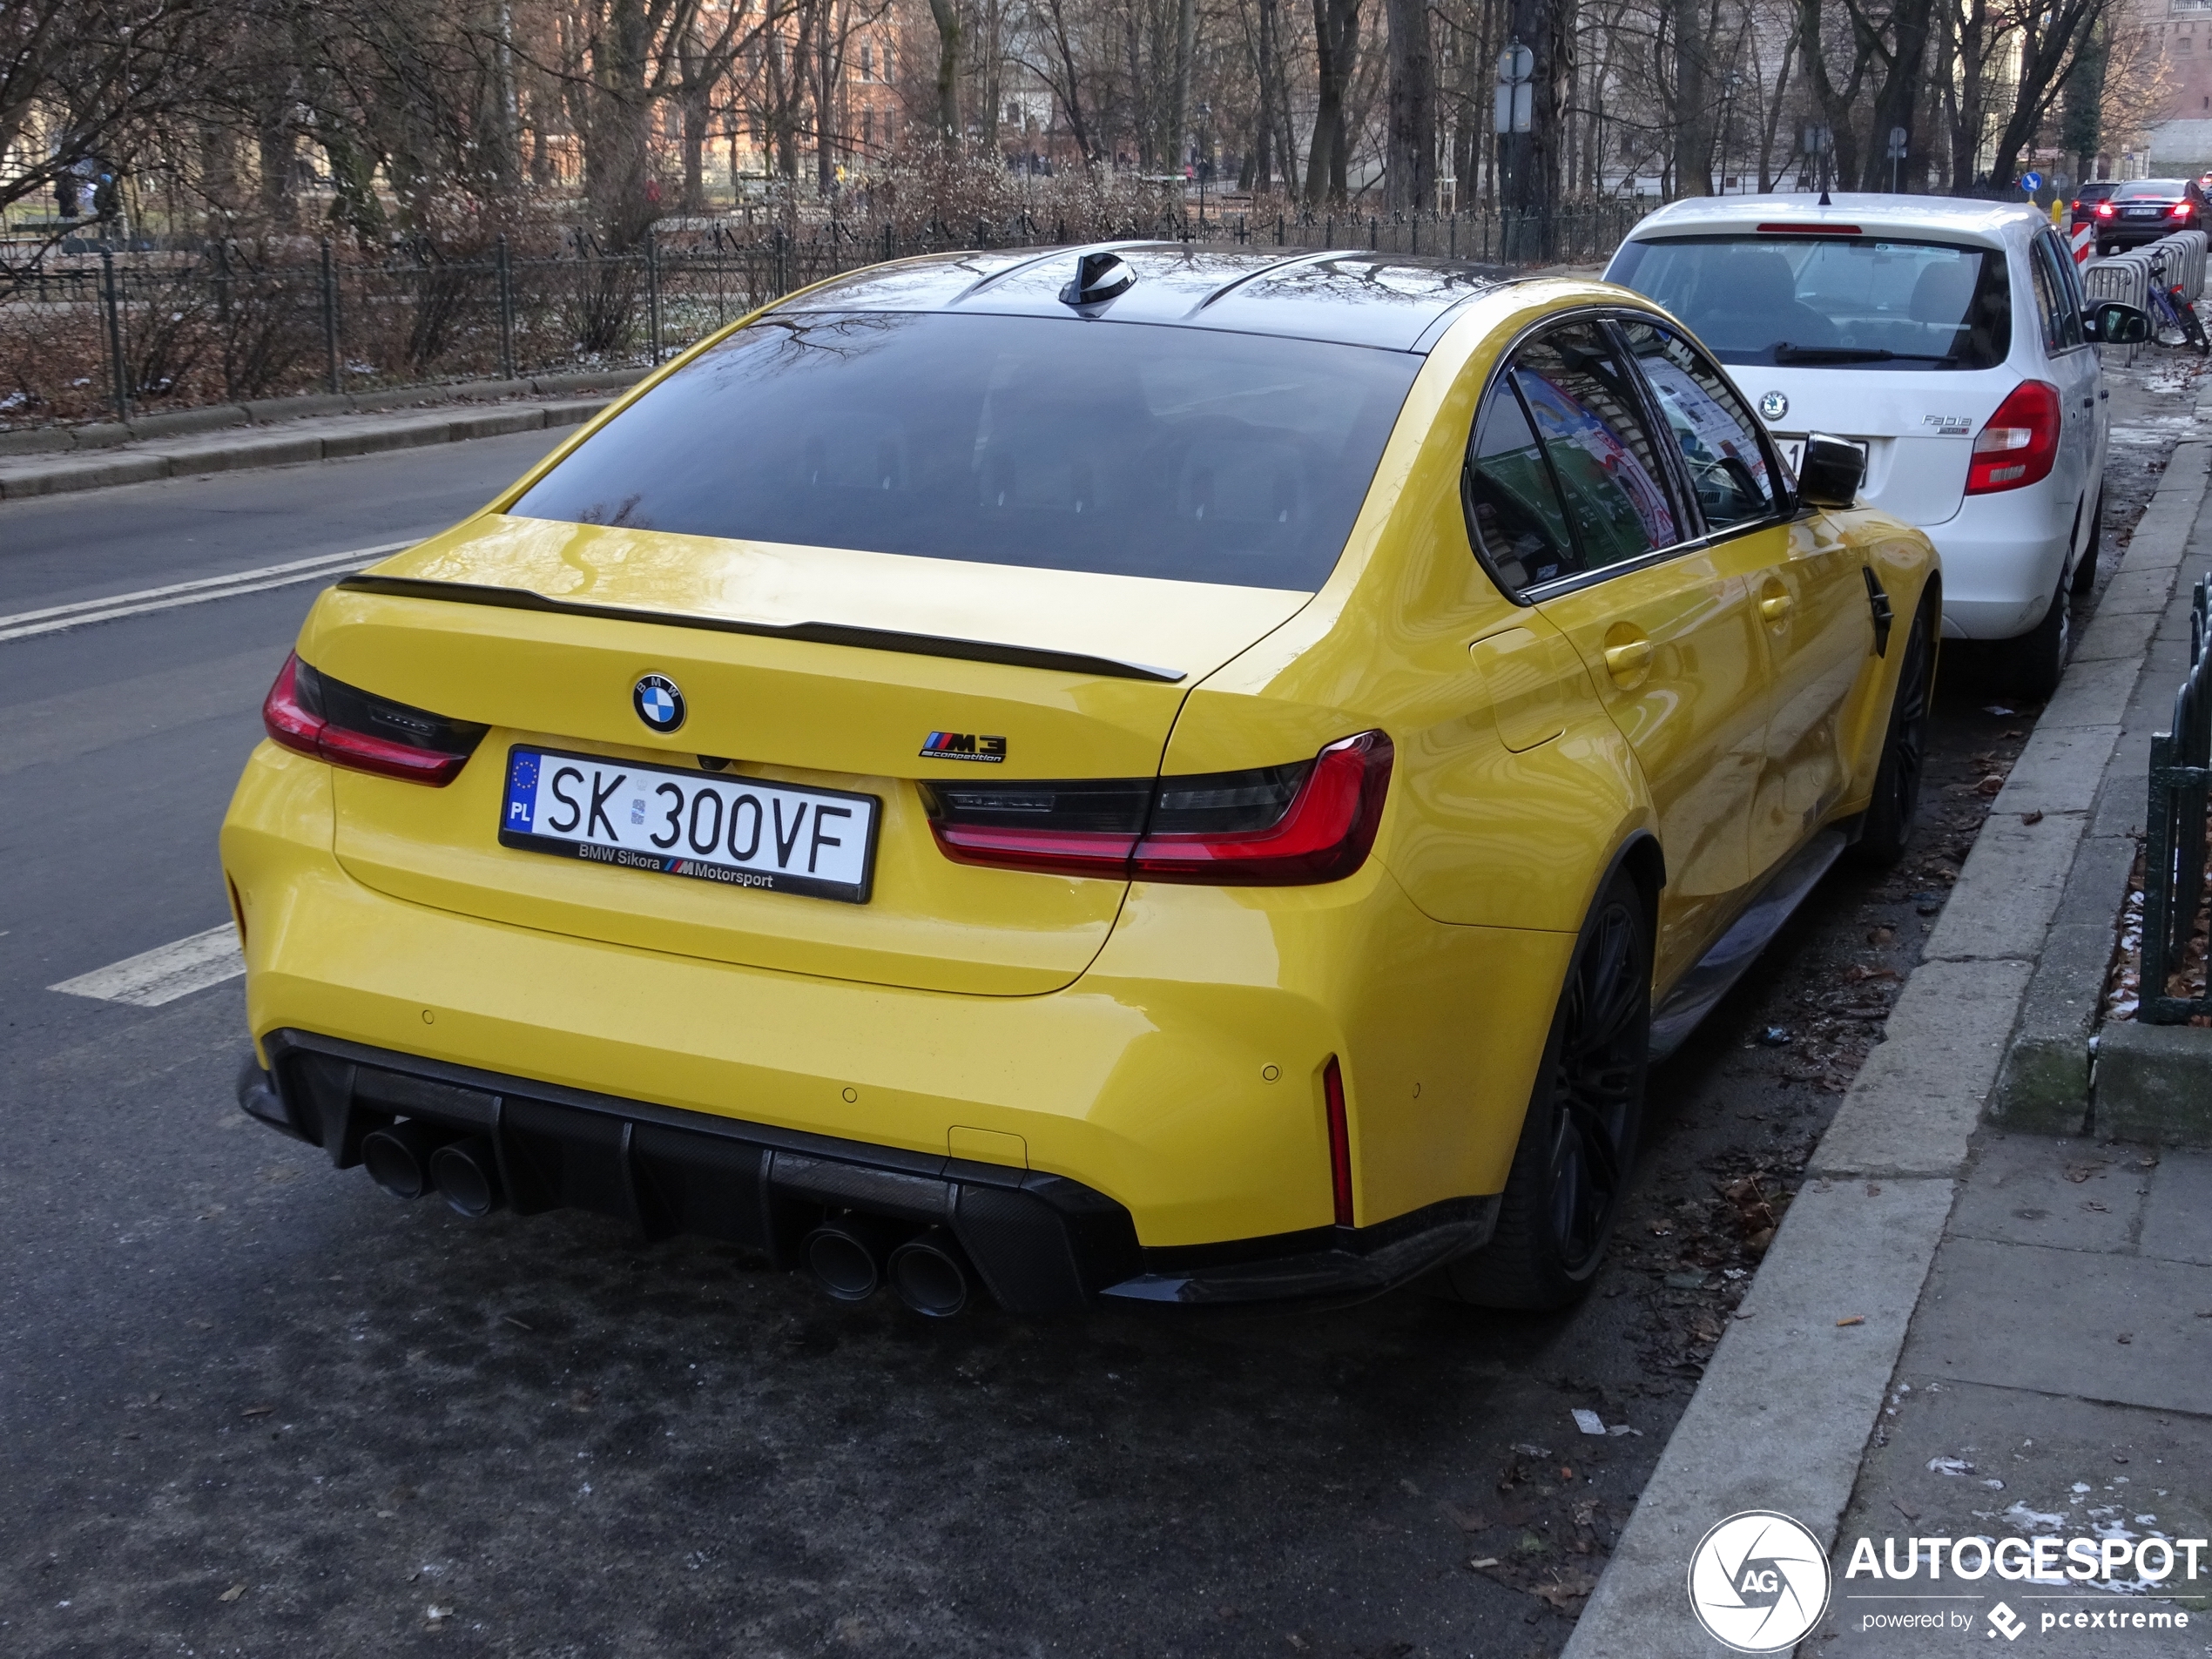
(1736, 950)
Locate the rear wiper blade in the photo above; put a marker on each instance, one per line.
(1785, 352)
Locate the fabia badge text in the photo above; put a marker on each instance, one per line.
(1758, 1581)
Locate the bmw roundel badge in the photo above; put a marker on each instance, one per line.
(1774, 405)
(659, 705)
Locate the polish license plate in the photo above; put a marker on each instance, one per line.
(1793, 452)
(739, 831)
(2142, 212)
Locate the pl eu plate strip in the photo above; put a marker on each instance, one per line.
(154, 977)
(54, 618)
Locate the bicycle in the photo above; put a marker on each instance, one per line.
(2167, 312)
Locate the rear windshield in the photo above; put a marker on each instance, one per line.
(2164, 190)
(1061, 445)
(1830, 301)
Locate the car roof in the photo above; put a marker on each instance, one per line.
(1988, 224)
(1350, 296)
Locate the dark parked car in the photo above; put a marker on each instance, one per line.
(2083, 207)
(2142, 210)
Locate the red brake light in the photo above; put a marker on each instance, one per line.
(336, 722)
(1339, 1140)
(2020, 443)
(1809, 230)
(2182, 210)
(1272, 827)
(2106, 210)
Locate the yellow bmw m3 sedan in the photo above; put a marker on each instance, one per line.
(1134, 774)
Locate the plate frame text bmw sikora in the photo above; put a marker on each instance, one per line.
(723, 872)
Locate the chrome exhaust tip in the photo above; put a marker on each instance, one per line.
(467, 1172)
(398, 1159)
(845, 1255)
(928, 1276)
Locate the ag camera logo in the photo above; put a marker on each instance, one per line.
(1758, 1581)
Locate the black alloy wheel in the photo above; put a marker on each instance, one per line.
(1887, 826)
(1571, 1168)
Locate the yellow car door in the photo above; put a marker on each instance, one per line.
(1813, 595)
(1667, 625)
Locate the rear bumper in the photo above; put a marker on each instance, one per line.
(1042, 1244)
(2001, 558)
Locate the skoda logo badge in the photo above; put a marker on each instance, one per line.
(659, 705)
(1774, 405)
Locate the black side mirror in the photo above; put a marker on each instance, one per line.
(2114, 322)
(1830, 473)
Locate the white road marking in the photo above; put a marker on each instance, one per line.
(154, 977)
(54, 618)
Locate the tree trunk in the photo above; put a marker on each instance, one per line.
(1529, 162)
(947, 13)
(1899, 92)
(1336, 52)
(1409, 178)
(1774, 113)
(1186, 34)
(1693, 101)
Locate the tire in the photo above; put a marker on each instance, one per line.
(2085, 568)
(1570, 1171)
(2031, 664)
(1887, 825)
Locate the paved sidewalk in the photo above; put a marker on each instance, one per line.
(55, 461)
(1964, 1329)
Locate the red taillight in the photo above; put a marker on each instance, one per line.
(298, 713)
(1339, 1140)
(2106, 210)
(1272, 827)
(2020, 443)
(2182, 210)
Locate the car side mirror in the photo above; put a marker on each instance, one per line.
(1829, 472)
(2113, 322)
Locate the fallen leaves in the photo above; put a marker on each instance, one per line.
(2032, 817)
(1989, 785)
(1855, 1319)
(231, 1594)
(258, 1411)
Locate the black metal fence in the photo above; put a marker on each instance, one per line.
(117, 335)
(2174, 859)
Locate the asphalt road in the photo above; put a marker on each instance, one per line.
(254, 1406)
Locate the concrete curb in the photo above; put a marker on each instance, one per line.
(1781, 1418)
(2056, 1068)
(58, 460)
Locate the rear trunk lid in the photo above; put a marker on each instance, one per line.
(1917, 426)
(810, 667)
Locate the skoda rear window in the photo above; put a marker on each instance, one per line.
(1056, 444)
(1830, 302)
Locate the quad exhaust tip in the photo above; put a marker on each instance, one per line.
(398, 1159)
(411, 1159)
(467, 1172)
(927, 1276)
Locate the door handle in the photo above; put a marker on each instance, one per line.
(1628, 662)
(1776, 607)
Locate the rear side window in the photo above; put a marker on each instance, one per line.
(1830, 301)
(2054, 271)
(1708, 424)
(1054, 443)
(1601, 477)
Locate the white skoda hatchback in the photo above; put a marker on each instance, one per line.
(1951, 340)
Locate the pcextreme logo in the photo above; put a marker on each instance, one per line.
(1758, 1581)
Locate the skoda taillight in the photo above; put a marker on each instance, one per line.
(2021, 444)
(346, 727)
(1310, 820)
